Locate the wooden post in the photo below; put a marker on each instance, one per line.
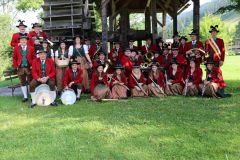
(125, 25)
(104, 26)
(196, 13)
(147, 21)
(154, 20)
(111, 29)
(174, 17)
(164, 28)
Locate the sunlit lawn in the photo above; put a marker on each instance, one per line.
(148, 128)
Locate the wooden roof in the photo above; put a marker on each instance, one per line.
(139, 6)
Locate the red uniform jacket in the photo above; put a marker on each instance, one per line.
(159, 80)
(216, 77)
(197, 75)
(182, 49)
(37, 72)
(220, 45)
(177, 78)
(95, 81)
(132, 82)
(199, 44)
(92, 50)
(153, 48)
(111, 53)
(17, 56)
(95, 64)
(181, 60)
(122, 80)
(68, 78)
(33, 34)
(15, 41)
(162, 62)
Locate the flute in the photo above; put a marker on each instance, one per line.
(140, 86)
(158, 87)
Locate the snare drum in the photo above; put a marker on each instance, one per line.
(43, 96)
(68, 97)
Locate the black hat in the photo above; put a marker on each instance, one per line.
(127, 49)
(98, 37)
(183, 37)
(166, 46)
(149, 37)
(36, 25)
(99, 63)
(62, 41)
(159, 39)
(154, 63)
(175, 34)
(174, 48)
(209, 61)
(136, 65)
(194, 32)
(118, 66)
(191, 58)
(23, 36)
(45, 41)
(21, 23)
(77, 36)
(101, 52)
(130, 38)
(214, 28)
(41, 51)
(74, 62)
(116, 40)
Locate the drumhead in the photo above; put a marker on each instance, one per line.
(43, 99)
(68, 97)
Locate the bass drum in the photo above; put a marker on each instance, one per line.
(43, 95)
(68, 97)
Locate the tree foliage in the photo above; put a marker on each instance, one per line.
(234, 6)
(237, 34)
(26, 5)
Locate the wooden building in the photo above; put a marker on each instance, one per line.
(110, 9)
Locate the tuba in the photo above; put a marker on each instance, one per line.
(147, 60)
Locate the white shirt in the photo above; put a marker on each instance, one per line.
(70, 50)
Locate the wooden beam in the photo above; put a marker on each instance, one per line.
(104, 26)
(196, 14)
(104, 2)
(164, 28)
(164, 8)
(160, 24)
(147, 21)
(119, 9)
(125, 26)
(154, 20)
(183, 8)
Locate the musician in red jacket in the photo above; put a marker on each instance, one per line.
(15, 37)
(182, 46)
(36, 33)
(149, 46)
(193, 78)
(181, 60)
(174, 77)
(118, 83)
(23, 57)
(131, 45)
(137, 83)
(73, 78)
(95, 48)
(165, 59)
(127, 62)
(214, 47)
(116, 53)
(43, 72)
(156, 81)
(194, 43)
(99, 84)
(213, 85)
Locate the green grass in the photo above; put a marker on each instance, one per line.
(142, 128)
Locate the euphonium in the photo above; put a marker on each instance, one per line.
(149, 56)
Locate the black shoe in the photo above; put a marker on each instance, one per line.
(78, 99)
(54, 104)
(33, 105)
(24, 100)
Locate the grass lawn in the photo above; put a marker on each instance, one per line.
(147, 128)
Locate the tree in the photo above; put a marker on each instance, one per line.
(234, 6)
(237, 34)
(26, 5)
(226, 30)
